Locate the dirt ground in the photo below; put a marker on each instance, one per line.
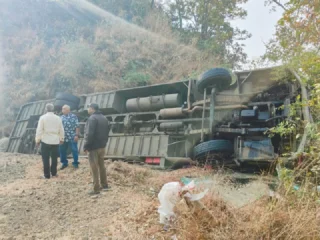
(60, 208)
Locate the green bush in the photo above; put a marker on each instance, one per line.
(132, 79)
(79, 61)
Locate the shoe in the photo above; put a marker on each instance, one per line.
(92, 193)
(106, 188)
(76, 166)
(43, 177)
(63, 167)
(55, 176)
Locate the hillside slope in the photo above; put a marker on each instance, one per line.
(49, 47)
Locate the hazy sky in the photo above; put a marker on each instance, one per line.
(260, 22)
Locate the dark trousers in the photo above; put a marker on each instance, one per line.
(48, 151)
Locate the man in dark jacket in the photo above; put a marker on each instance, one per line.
(96, 138)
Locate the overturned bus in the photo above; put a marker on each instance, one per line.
(220, 118)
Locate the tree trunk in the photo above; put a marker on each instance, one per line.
(179, 14)
(204, 20)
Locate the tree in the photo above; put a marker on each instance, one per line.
(208, 21)
(130, 10)
(297, 37)
(296, 46)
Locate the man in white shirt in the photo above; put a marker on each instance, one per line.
(50, 133)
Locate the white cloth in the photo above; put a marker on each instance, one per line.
(4, 142)
(50, 129)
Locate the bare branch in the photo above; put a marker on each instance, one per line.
(280, 4)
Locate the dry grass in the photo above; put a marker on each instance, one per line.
(198, 220)
(286, 219)
(293, 216)
(264, 219)
(125, 175)
(163, 59)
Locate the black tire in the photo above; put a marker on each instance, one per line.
(218, 146)
(219, 78)
(180, 164)
(58, 104)
(68, 97)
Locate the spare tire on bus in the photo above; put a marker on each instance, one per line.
(220, 78)
(68, 97)
(213, 146)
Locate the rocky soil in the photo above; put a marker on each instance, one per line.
(60, 208)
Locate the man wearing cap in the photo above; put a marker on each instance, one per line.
(71, 129)
(50, 133)
(96, 138)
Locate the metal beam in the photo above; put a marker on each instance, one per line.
(212, 106)
(203, 112)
